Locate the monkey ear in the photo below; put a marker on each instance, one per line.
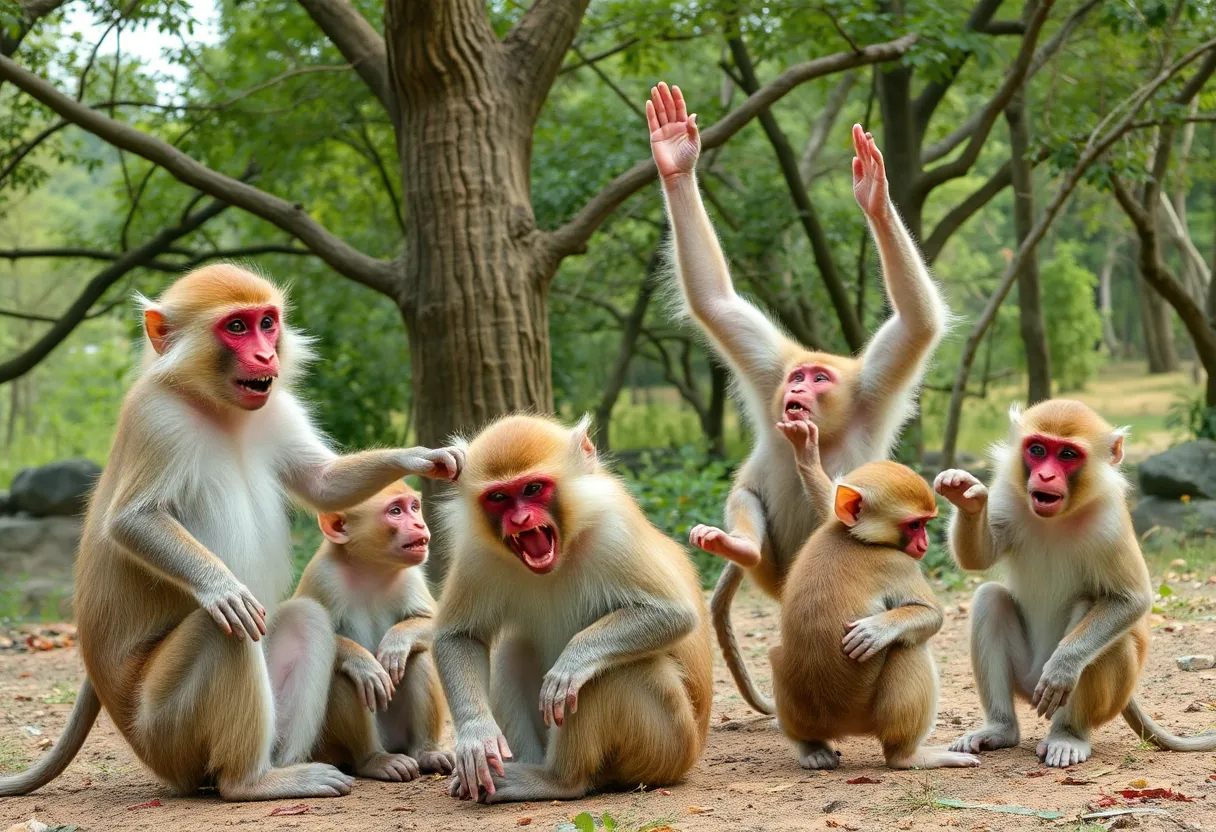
(158, 330)
(1116, 446)
(583, 446)
(333, 526)
(847, 504)
(1015, 414)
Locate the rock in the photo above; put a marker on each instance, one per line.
(7, 505)
(1188, 469)
(57, 489)
(36, 559)
(1194, 517)
(1196, 662)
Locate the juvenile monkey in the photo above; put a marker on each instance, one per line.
(600, 641)
(1069, 628)
(856, 619)
(186, 551)
(858, 403)
(368, 578)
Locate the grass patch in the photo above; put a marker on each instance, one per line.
(918, 796)
(12, 756)
(61, 694)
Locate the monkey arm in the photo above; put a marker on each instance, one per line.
(816, 482)
(372, 682)
(915, 622)
(740, 331)
(896, 353)
(154, 537)
(464, 670)
(971, 540)
(328, 482)
(404, 639)
(909, 622)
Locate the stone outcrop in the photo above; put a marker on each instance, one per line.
(1178, 490)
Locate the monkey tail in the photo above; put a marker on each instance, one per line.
(57, 759)
(1147, 729)
(724, 594)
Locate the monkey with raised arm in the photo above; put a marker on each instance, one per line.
(186, 552)
(368, 577)
(859, 403)
(1068, 629)
(856, 619)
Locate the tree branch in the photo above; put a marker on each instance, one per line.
(955, 168)
(96, 288)
(926, 103)
(572, 237)
(538, 44)
(31, 12)
(598, 56)
(359, 43)
(1004, 27)
(1046, 52)
(962, 212)
(345, 259)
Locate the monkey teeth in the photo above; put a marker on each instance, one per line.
(256, 385)
(536, 547)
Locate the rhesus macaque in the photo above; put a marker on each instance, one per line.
(364, 576)
(186, 551)
(858, 403)
(1069, 628)
(856, 619)
(592, 619)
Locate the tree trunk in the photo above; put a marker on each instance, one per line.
(1106, 298)
(1030, 300)
(1158, 330)
(715, 414)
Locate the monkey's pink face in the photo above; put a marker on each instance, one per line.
(411, 538)
(914, 535)
(250, 340)
(522, 510)
(1050, 466)
(803, 387)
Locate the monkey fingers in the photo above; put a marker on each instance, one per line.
(393, 661)
(436, 762)
(442, 464)
(559, 695)
(865, 638)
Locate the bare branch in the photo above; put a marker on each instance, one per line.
(1046, 52)
(598, 56)
(96, 288)
(359, 43)
(572, 237)
(348, 261)
(620, 93)
(31, 12)
(966, 209)
(1013, 81)
(1004, 27)
(926, 103)
(538, 44)
(29, 147)
(823, 125)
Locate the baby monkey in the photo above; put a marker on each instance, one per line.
(365, 576)
(857, 615)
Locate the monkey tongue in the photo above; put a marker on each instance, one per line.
(536, 548)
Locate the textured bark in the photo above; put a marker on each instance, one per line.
(1030, 298)
(1106, 304)
(715, 415)
(1158, 328)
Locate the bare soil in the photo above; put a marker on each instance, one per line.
(746, 780)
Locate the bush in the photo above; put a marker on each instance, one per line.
(1194, 417)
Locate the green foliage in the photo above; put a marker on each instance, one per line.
(1074, 327)
(1192, 415)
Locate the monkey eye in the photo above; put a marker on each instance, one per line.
(267, 322)
(496, 497)
(236, 326)
(416, 506)
(532, 489)
(1037, 449)
(915, 525)
(798, 376)
(822, 377)
(395, 511)
(1068, 454)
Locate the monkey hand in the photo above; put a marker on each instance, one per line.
(865, 638)
(962, 489)
(480, 746)
(393, 654)
(559, 691)
(372, 681)
(804, 436)
(437, 464)
(869, 176)
(1055, 686)
(235, 609)
(675, 140)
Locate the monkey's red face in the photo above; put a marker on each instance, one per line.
(914, 536)
(803, 387)
(522, 509)
(250, 340)
(410, 537)
(1050, 466)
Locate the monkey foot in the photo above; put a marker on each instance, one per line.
(717, 542)
(925, 757)
(1061, 750)
(304, 780)
(397, 768)
(988, 738)
(817, 755)
(436, 762)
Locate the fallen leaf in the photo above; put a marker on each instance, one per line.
(1138, 784)
(699, 810)
(664, 792)
(151, 804)
(1196, 707)
(5, 642)
(39, 643)
(25, 675)
(1105, 802)
(952, 803)
(862, 781)
(525, 821)
(1041, 772)
(45, 742)
(836, 824)
(21, 697)
(1154, 794)
(298, 809)
(1074, 781)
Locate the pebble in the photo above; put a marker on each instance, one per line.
(1196, 662)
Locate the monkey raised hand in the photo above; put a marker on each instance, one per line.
(438, 464)
(962, 489)
(870, 177)
(675, 140)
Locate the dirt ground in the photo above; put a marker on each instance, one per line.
(747, 778)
